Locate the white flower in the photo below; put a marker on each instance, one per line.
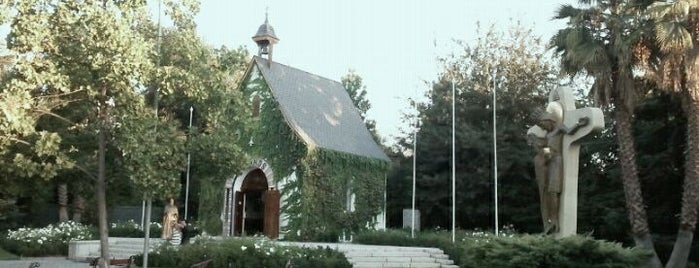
(243, 247)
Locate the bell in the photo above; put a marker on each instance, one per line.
(264, 50)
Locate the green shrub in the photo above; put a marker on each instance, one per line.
(243, 253)
(47, 241)
(133, 229)
(330, 236)
(483, 249)
(543, 251)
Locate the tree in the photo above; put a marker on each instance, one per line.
(87, 55)
(354, 86)
(675, 24)
(523, 80)
(599, 42)
(192, 74)
(20, 142)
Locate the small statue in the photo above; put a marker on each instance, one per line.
(170, 218)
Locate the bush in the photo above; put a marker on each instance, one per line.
(542, 251)
(133, 229)
(314, 236)
(483, 249)
(243, 253)
(47, 241)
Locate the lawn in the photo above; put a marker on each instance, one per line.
(4, 255)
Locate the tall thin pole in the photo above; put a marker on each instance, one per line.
(385, 199)
(412, 225)
(189, 161)
(453, 162)
(495, 157)
(143, 212)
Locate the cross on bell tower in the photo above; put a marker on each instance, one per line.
(265, 39)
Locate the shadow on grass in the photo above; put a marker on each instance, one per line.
(6, 256)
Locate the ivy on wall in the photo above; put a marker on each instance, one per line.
(316, 200)
(324, 178)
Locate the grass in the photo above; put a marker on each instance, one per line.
(5, 256)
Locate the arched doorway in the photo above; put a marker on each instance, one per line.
(255, 205)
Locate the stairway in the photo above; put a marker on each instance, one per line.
(360, 256)
(371, 256)
(123, 248)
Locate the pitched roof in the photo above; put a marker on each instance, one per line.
(319, 110)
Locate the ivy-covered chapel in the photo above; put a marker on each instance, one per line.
(317, 173)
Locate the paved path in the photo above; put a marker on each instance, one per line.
(44, 262)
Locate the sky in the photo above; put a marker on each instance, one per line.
(391, 44)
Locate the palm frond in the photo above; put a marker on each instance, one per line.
(659, 10)
(601, 88)
(673, 37)
(558, 41)
(566, 11)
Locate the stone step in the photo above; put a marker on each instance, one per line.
(393, 259)
(445, 261)
(395, 265)
(375, 256)
(440, 256)
(119, 247)
(386, 254)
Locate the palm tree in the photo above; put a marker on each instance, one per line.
(599, 42)
(676, 24)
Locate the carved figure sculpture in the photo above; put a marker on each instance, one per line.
(170, 218)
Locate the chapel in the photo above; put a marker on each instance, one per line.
(316, 166)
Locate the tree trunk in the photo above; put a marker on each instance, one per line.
(63, 202)
(146, 238)
(101, 186)
(690, 192)
(78, 208)
(632, 186)
(102, 202)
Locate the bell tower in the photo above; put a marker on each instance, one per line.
(265, 39)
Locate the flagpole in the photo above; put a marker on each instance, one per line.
(412, 226)
(189, 161)
(453, 159)
(495, 156)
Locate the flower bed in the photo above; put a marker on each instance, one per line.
(237, 252)
(53, 239)
(132, 229)
(47, 241)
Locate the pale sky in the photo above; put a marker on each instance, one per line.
(391, 44)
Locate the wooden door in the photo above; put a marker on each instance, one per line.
(238, 217)
(271, 215)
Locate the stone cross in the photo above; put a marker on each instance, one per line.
(557, 164)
